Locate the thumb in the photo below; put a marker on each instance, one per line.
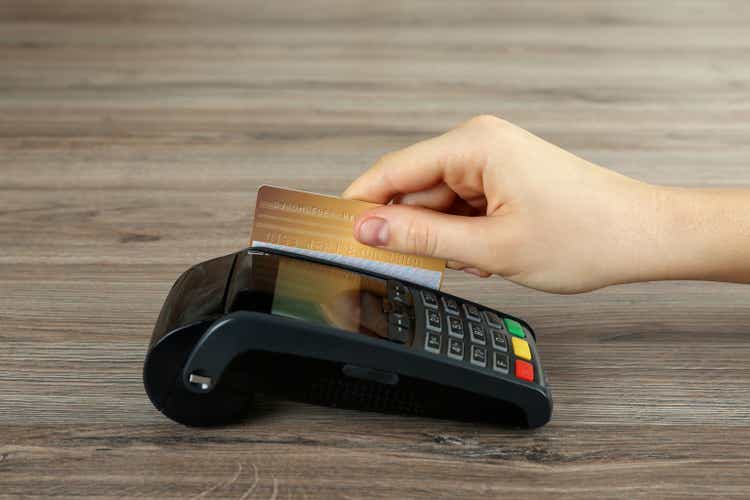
(420, 231)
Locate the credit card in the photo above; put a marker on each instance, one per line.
(321, 226)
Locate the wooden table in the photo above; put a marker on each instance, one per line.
(133, 136)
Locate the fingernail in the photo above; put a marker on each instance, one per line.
(373, 231)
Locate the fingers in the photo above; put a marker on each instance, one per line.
(439, 197)
(414, 168)
(443, 199)
(419, 231)
(455, 158)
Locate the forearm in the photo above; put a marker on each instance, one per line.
(701, 234)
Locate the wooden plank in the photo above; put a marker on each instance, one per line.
(133, 137)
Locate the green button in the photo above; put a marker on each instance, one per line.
(514, 327)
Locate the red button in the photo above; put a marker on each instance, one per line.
(524, 370)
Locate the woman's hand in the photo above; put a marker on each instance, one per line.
(494, 199)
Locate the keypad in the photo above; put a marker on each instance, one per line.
(455, 327)
(472, 312)
(433, 321)
(499, 341)
(429, 299)
(432, 342)
(450, 306)
(478, 355)
(500, 362)
(456, 349)
(477, 333)
(482, 337)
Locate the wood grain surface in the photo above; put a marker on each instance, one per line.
(133, 136)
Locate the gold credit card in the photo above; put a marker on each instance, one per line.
(322, 226)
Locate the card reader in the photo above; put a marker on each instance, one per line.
(263, 321)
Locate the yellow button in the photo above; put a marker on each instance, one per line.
(521, 348)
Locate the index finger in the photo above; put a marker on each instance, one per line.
(421, 166)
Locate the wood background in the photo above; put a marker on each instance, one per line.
(133, 136)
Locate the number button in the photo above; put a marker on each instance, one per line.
(499, 341)
(451, 306)
(455, 327)
(429, 299)
(493, 319)
(500, 362)
(478, 356)
(433, 321)
(472, 312)
(432, 343)
(455, 349)
(477, 333)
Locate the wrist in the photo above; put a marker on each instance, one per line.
(637, 234)
(696, 234)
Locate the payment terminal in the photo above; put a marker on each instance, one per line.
(265, 322)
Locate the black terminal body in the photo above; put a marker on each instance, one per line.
(261, 321)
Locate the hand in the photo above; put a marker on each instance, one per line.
(494, 199)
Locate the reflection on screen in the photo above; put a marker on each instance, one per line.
(330, 296)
